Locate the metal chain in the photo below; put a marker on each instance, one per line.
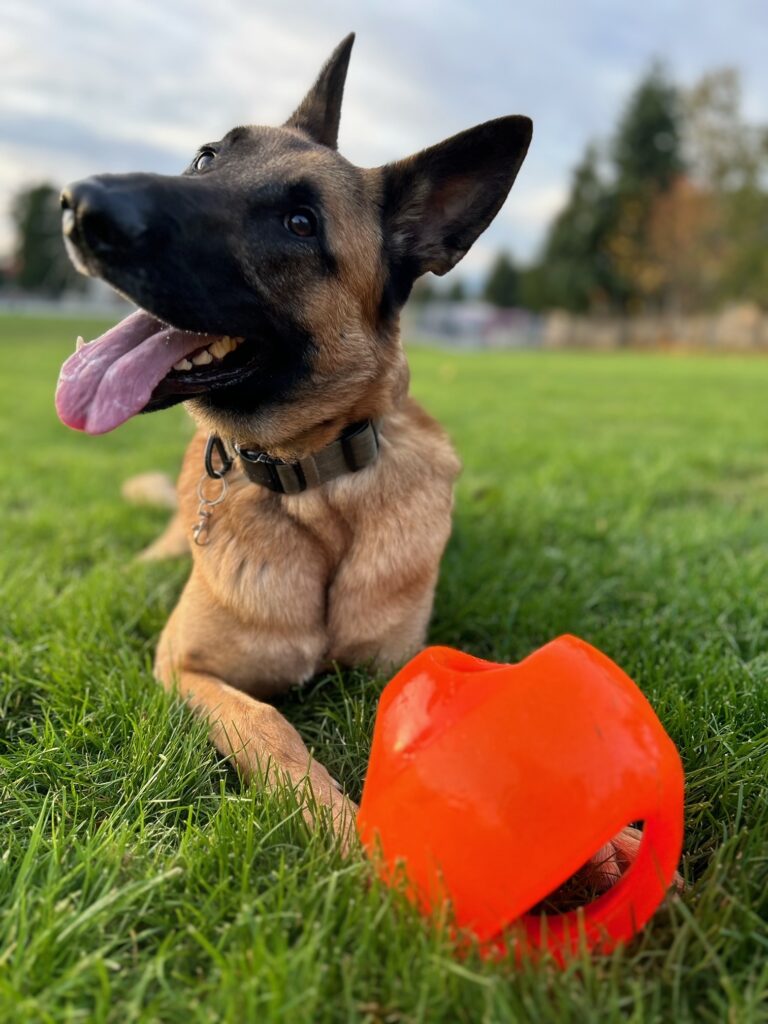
(201, 530)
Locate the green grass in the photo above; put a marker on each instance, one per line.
(619, 497)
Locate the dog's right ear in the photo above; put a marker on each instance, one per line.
(436, 203)
(319, 112)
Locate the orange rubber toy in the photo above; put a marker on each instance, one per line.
(493, 784)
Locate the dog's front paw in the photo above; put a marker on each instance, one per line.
(267, 749)
(342, 812)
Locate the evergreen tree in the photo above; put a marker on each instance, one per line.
(535, 293)
(457, 292)
(647, 147)
(502, 286)
(577, 272)
(41, 259)
(423, 292)
(647, 154)
(673, 220)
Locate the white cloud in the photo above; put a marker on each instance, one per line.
(88, 86)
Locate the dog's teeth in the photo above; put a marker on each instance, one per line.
(79, 343)
(183, 364)
(218, 348)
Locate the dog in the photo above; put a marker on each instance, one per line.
(316, 495)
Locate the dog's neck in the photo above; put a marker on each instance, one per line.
(355, 449)
(293, 431)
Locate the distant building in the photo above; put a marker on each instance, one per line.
(471, 324)
(95, 298)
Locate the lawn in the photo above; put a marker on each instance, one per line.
(619, 497)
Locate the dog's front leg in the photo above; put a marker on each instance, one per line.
(263, 744)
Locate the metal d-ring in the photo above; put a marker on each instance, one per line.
(201, 529)
(215, 444)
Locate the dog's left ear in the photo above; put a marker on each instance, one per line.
(437, 202)
(319, 112)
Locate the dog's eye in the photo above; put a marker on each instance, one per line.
(301, 223)
(205, 160)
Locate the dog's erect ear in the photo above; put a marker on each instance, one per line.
(437, 202)
(319, 112)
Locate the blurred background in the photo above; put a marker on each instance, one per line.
(640, 217)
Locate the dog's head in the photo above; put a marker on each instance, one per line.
(271, 272)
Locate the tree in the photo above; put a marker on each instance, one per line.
(423, 291)
(647, 157)
(685, 247)
(729, 157)
(647, 146)
(723, 152)
(534, 288)
(745, 265)
(576, 272)
(502, 286)
(457, 292)
(42, 264)
(675, 219)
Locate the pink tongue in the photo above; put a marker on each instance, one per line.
(105, 383)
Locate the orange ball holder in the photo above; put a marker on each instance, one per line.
(492, 785)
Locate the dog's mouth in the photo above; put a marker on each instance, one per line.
(141, 364)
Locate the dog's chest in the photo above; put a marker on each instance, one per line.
(271, 557)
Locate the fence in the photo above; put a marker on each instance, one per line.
(741, 328)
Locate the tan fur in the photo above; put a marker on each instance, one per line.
(288, 585)
(358, 369)
(346, 573)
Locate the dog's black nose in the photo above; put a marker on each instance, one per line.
(103, 213)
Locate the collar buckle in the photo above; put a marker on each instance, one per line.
(356, 448)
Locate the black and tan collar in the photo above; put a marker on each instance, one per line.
(356, 447)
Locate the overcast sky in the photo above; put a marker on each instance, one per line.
(108, 85)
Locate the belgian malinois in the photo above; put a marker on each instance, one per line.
(316, 495)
